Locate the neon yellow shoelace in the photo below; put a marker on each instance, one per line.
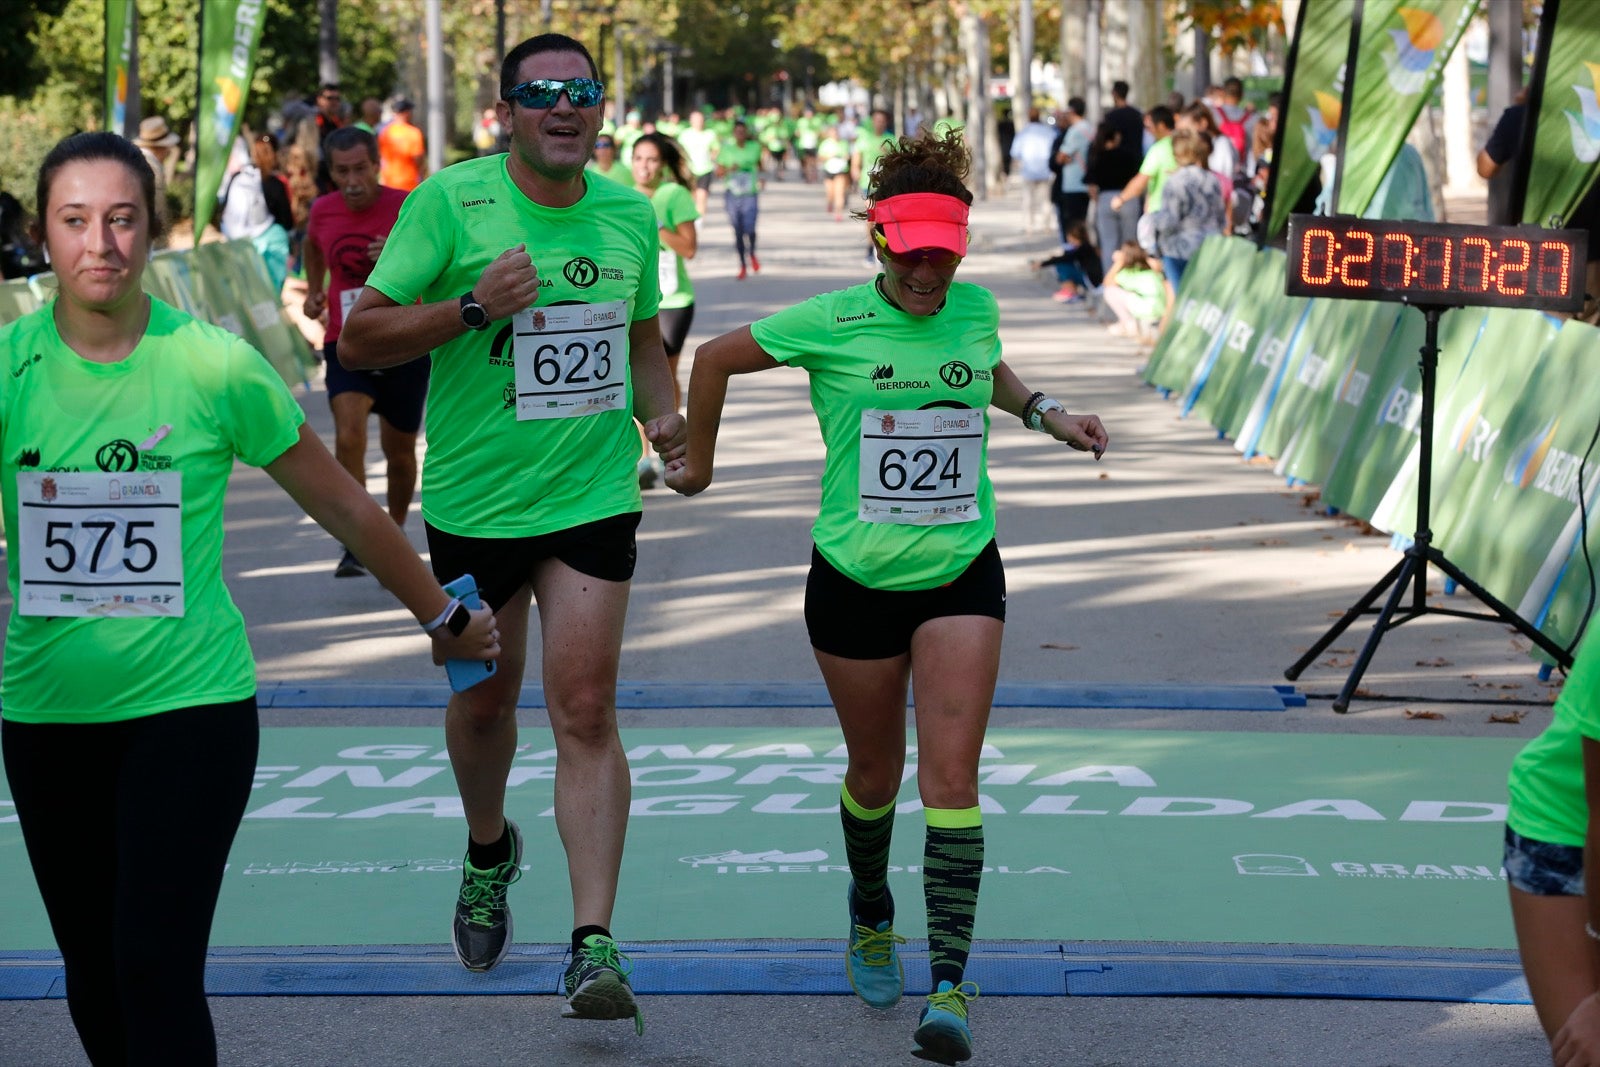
(876, 947)
(954, 1000)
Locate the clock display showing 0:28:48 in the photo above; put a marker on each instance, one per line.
(1510, 267)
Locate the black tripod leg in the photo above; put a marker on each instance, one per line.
(1362, 606)
(1403, 574)
(1527, 629)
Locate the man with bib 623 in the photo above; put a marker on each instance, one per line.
(538, 295)
(906, 581)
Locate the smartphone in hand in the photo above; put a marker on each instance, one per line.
(466, 673)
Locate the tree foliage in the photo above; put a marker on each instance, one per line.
(1232, 24)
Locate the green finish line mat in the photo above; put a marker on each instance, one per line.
(1316, 844)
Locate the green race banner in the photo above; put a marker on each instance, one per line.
(1413, 39)
(1386, 429)
(1468, 415)
(1311, 114)
(1238, 393)
(1311, 450)
(1566, 148)
(121, 17)
(1203, 304)
(1565, 613)
(1317, 364)
(230, 30)
(1518, 511)
(1239, 334)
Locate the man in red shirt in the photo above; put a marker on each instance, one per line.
(402, 151)
(344, 234)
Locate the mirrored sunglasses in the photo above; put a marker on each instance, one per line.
(544, 92)
(938, 258)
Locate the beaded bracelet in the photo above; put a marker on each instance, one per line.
(1027, 408)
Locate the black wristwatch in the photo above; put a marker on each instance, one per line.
(456, 621)
(473, 316)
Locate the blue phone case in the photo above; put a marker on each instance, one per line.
(466, 673)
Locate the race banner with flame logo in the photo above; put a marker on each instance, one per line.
(120, 20)
(1566, 146)
(1311, 115)
(230, 31)
(1403, 50)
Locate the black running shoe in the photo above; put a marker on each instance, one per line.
(596, 983)
(481, 932)
(349, 566)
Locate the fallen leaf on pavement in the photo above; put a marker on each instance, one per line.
(1059, 647)
(1424, 714)
(1437, 661)
(1510, 716)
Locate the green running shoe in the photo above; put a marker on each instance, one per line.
(871, 960)
(596, 984)
(481, 933)
(942, 1035)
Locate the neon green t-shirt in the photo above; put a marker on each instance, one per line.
(172, 416)
(488, 472)
(834, 156)
(869, 147)
(807, 132)
(674, 205)
(1148, 290)
(1548, 802)
(701, 147)
(878, 372)
(619, 173)
(1159, 163)
(743, 165)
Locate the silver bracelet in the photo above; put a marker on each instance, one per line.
(1588, 928)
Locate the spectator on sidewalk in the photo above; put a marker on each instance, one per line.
(1031, 149)
(1111, 166)
(1192, 206)
(1127, 120)
(1069, 158)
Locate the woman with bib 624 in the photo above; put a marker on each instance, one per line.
(906, 582)
(130, 728)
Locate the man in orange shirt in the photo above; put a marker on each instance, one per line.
(401, 149)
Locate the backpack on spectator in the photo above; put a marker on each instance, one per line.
(1235, 129)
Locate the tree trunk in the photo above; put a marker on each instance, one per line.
(1505, 57)
(1075, 75)
(980, 130)
(1095, 89)
(328, 41)
(1145, 73)
(1022, 63)
(436, 94)
(1460, 173)
(1114, 59)
(1202, 64)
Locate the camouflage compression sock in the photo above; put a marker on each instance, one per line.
(867, 832)
(952, 867)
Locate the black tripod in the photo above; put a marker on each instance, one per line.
(1412, 570)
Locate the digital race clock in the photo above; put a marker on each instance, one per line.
(1436, 263)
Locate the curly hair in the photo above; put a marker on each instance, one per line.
(927, 163)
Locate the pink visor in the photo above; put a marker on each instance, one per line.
(922, 220)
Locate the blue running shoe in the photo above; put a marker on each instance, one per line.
(871, 961)
(942, 1036)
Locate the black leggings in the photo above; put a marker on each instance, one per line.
(128, 826)
(675, 323)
